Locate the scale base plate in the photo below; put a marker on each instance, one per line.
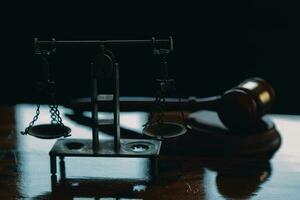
(130, 148)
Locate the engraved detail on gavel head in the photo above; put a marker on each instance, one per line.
(243, 106)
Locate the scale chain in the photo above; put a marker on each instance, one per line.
(35, 118)
(48, 88)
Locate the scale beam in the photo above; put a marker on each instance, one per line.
(81, 43)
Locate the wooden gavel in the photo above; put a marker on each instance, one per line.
(239, 108)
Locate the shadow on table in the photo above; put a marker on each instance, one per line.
(178, 180)
(182, 176)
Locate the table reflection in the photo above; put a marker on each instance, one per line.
(25, 169)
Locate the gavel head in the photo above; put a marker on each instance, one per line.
(242, 107)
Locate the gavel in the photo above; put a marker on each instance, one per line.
(240, 108)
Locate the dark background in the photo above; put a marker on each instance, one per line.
(217, 44)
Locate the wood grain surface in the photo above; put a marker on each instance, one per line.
(25, 168)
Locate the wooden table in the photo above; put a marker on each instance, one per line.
(25, 169)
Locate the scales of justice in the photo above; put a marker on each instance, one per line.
(103, 65)
(230, 124)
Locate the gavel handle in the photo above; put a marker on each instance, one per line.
(147, 104)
